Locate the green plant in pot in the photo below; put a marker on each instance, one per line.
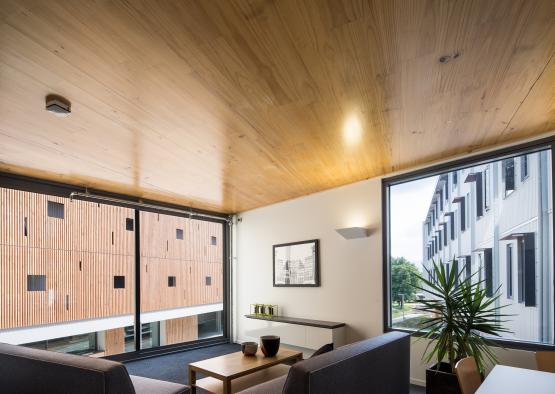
(462, 315)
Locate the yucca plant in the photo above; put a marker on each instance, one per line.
(461, 315)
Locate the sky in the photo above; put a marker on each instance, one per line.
(409, 205)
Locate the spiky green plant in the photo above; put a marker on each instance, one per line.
(461, 315)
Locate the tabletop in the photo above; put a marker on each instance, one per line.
(236, 364)
(510, 380)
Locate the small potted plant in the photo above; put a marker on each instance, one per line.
(461, 317)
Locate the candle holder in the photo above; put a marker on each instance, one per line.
(267, 310)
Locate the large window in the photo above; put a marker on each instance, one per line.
(501, 215)
(175, 293)
(68, 275)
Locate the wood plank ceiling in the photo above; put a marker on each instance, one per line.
(232, 105)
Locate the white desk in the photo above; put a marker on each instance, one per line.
(510, 380)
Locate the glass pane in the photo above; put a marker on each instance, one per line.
(181, 279)
(496, 227)
(66, 273)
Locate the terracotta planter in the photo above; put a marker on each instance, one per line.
(442, 380)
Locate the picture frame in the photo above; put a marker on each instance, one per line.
(297, 264)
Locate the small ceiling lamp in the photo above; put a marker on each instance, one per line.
(58, 105)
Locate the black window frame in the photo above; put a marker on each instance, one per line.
(57, 189)
(509, 270)
(510, 152)
(487, 191)
(509, 184)
(524, 168)
(488, 272)
(179, 234)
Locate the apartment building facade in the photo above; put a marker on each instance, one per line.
(493, 223)
(67, 275)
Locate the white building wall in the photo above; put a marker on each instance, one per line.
(521, 211)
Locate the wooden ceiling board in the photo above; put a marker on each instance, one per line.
(232, 105)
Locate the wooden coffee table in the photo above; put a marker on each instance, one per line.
(234, 365)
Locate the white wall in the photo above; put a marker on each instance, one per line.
(351, 271)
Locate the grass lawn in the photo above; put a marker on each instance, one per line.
(414, 322)
(407, 308)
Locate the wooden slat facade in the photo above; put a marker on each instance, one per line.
(191, 260)
(81, 253)
(184, 329)
(114, 341)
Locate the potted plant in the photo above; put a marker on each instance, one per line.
(461, 316)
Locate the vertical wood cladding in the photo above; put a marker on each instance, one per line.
(114, 341)
(81, 254)
(190, 260)
(180, 330)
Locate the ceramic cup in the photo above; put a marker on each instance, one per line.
(269, 344)
(249, 348)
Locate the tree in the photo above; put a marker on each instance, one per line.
(405, 279)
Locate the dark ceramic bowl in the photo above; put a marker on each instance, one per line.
(249, 348)
(269, 344)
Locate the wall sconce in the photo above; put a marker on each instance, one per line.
(353, 232)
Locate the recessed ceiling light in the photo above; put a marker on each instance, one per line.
(58, 105)
(352, 130)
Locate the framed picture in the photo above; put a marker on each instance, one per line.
(297, 264)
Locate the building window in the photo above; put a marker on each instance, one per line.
(479, 195)
(455, 178)
(171, 281)
(509, 268)
(467, 210)
(213, 241)
(25, 231)
(36, 282)
(468, 267)
(487, 192)
(526, 269)
(119, 282)
(488, 272)
(508, 166)
(523, 167)
(178, 233)
(55, 210)
(129, 224)
(208, 281)
(509, 254)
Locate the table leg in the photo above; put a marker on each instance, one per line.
(227, 386)
(192, 380)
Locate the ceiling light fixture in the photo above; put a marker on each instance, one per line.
(352, 130)
(58, 105)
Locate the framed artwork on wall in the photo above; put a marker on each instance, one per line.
(297, 264)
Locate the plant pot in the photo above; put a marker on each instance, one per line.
(442, 380)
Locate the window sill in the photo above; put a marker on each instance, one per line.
(502, 343)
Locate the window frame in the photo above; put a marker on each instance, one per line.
(524, 165)
(511, 151)
(509, 262)
(56, 189)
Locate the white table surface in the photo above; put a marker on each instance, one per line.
(510, 380)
